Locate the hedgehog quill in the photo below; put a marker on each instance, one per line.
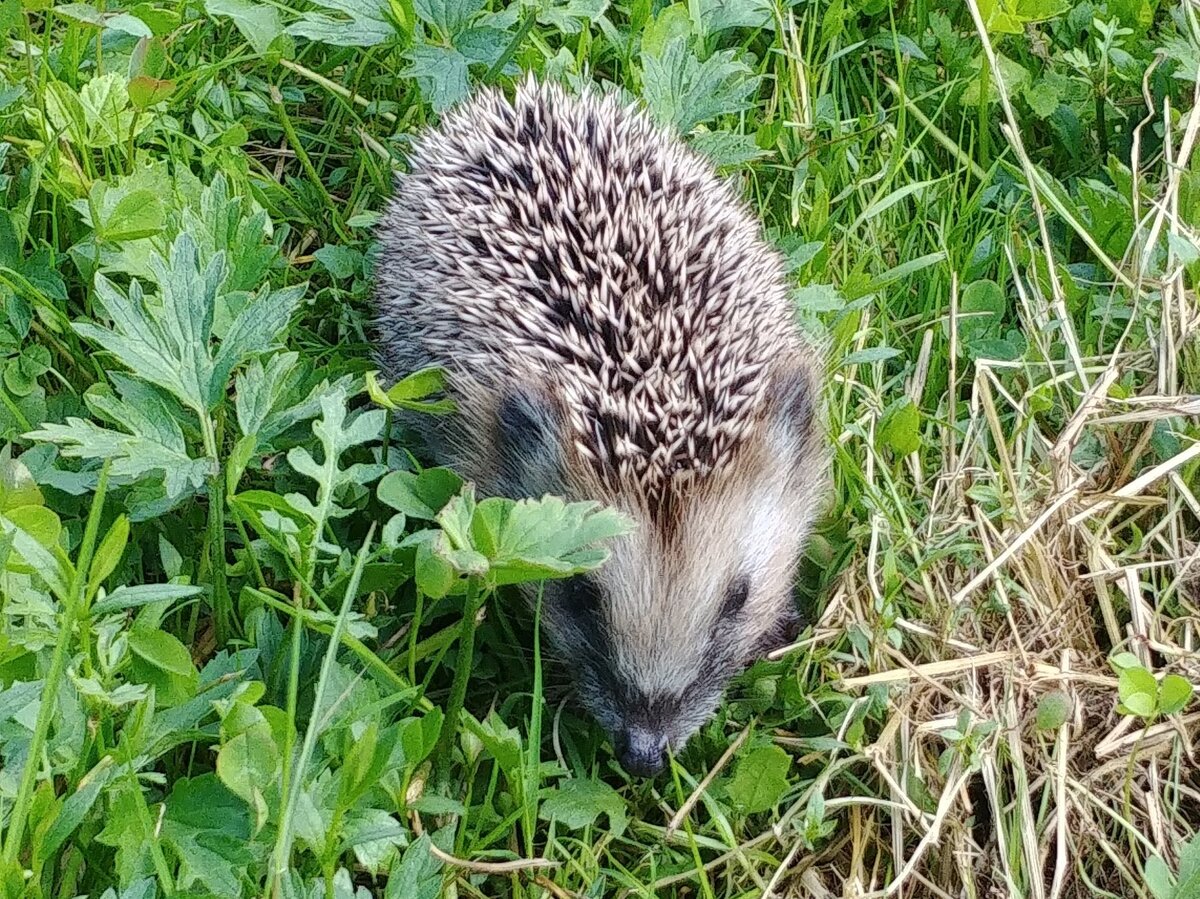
(614, 327)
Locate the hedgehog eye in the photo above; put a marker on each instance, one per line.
(735, 597)
(579, 608)
(582, 595)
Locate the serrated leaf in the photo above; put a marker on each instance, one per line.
(349, 23)
(760, 779)
(683, 91)
(1045, 94)
(259, 23)
(673, 22)
(104, 102)
(440, 72)
(340, 261)
(255, 330)
(532, 540)
(209, 830)
(449, 17)
(577, 803)
(134, 457)
(419, 874)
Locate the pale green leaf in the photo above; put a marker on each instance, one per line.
(259, 23)
(348, 23)
(760, 779)
(577, 803)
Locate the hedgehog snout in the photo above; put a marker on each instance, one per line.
(642, 751)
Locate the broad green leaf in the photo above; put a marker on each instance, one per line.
(532, 540)
(348, 23)
(577, 803)
(682, 91)
(1174, 694)
(258, 23)
(411, 392)
(145, 91)
(1188, 884)
(1046, 94)
(434, 574)
(448, 16)
(440, 72)
(980, 309)
(248, 764)
(375, 836)
(38, 522)
(1159, 878)
(760, 779)
(341, 262)
(1138, 691)
(255, 330)
(571, 16)
(17, 486)
(209, 830)
(163, 651)
(133, 456)
(1123, 660)
(418, 737)
(503, 742)
(421, 495)
(900, 429)
(419, 874)
(718, 15)
(104, 102)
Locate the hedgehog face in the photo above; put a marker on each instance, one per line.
(686, 600)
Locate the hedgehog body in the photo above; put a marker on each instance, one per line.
(615, 328)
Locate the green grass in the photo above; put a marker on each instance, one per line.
(246, 650)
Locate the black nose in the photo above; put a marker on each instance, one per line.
(642, 752)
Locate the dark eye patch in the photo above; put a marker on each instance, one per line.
(579, 605)
(581, 595)
(735, 597)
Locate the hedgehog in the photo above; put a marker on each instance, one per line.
(614, 327)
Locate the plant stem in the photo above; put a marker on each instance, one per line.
(291, 792)
(73, 608)
(222, 604)
(462, 674)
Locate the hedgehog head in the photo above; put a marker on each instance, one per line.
(701, 587)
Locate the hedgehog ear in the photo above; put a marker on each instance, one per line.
(529, 443)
